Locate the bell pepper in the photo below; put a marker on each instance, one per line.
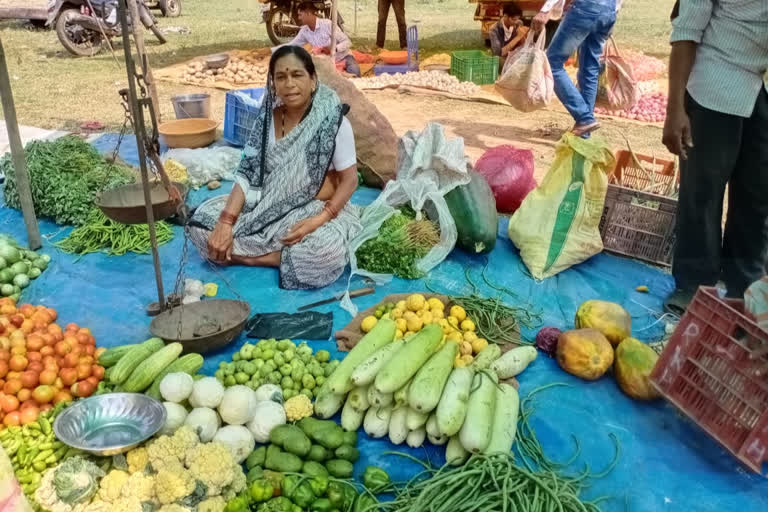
(336, 495)
(303, 495)
(350, 495)
(276, 479)
(319, 485)
(239, 503)
(322, 505)
(366, 503)
(261, 490)
(254, 474)
(279, 504)
(375, 479)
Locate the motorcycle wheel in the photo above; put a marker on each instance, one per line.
(75, 39)
(281, 28)
(170, 8)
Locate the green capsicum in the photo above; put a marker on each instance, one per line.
(254, 474)
(366, 503)
(303, 495)
(279, 504)
(336, 495)
(319, 485)
(276, 479)
(322, 505)
(239, 503)
(261, 490)
(350, 495)
(375, 479)
(289, 485)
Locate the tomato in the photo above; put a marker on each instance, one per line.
(12, 419)
(93, 380)
(3, 368)
(5, 355)
(18, 363)
(35, 366)
(83, 389)
(63, 348)
(90, 349)
(70, 360)
(5, 343)
(77, 349)
(34, 357)
(83, 339)
(35, 342)
(19, 351)
(68, 376)
(26, 404)
(72, 327)
(54, 329)
(24, 394)
(30, 379)
(17, 320)
(47, 351)
(48, 377)
(9, 403)
(98, 372)
(43, 394)
(27, 310)
(48, 339)
(83, 371)
(29, 415)
(13, 375)
(58, 384)
(62, 396)
(52, 314)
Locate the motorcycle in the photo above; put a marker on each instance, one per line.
(168, 8)
(282, 18)
(83, 26)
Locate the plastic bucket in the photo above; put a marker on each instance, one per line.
(189, 106)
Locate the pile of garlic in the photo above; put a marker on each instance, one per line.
(432, 79)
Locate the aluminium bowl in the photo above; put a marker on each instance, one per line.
(109, 424)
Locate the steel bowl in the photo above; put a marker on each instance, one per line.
(109, 424)
(217, 61)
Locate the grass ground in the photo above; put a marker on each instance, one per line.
(54, 90)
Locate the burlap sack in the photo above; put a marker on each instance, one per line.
(375, 139)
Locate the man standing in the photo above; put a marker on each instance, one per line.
(316, 32)
(381, 32)
(586, 26)
(717, 122)
(508, 33)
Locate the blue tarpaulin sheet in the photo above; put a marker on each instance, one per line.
(666, 462)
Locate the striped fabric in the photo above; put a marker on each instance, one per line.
(732, 57)
(321, 38)
(756, 302)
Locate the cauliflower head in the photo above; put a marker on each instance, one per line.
(174, 507)
(213, 465)
(139, 486)
(298, 407)
(239, 483)
(215, 504)
(97, 505)
(138, 458)
(173, 484)
(170, 450)
(112, 484)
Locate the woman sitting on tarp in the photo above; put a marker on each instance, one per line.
(289, 207)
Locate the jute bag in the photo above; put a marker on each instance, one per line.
(526, 81)
(616, 87)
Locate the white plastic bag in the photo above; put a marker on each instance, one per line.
(429, 166)
(526, 81)
(206, 164)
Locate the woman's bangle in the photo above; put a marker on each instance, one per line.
(227, 218)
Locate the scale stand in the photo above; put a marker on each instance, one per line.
(147, 147)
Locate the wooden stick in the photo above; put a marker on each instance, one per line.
(143, 58)
(17, 154)
(334, 19)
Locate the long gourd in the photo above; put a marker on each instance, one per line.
(327, 404)
(407, 361)
(382, 333)
(424, 393)
(398, 429)
(452, 408)
(366, 372)
(455, 454)
(504, 420)
(351, 418)
(473, 209)
(475, 434)
(514, 362)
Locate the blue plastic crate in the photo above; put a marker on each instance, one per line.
(240, 118)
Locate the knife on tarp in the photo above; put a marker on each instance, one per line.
(352, 294)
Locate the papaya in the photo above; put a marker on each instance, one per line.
(585, 353)
(634, 362)
(607, 317)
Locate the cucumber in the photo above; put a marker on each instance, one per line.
(351, 418)
(377, 399)
(112, 355)
(398, 430)
(428, 384)
(366, 372)
(382, 334)
(415, 419)
(504, 420)
(475, 434)
(455, 454)
(452, 408)
(407, 361)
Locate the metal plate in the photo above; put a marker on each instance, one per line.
(206, 326)
(125, 204)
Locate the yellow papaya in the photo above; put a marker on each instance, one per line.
(607, 317)
(634, 362)
(585, 353)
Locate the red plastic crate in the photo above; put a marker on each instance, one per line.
(715, 370)
(638, 217)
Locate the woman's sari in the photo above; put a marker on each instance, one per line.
(280, 181)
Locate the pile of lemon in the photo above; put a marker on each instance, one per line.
(413, 313)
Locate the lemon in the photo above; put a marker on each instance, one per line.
(470, 336)
(465, 348)
(416, 302)
(435, 303)
(426, 317)
(458, 363)
(478, 345)
(455, 336)
(414, 323)
(458, 312)
(368, 323)
(408, 334)
(401, 325)
(401, 305)
(453, 322)
(467, 325)
(398, 334)
(437, 314)
(467, 359)
(396, 314)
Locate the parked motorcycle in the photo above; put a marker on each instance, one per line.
(282, 18)
(83, 26)
(168, 8)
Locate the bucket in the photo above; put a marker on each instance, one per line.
(192, 106)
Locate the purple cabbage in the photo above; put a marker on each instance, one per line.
(546, 340)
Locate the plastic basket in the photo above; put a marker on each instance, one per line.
(474, 66)
(638, 217)
(239, 118)
(715, 370)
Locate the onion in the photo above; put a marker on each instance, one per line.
(546, 339)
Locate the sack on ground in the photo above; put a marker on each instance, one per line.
(616, 86)
(509, 172)
(558, 224)
(526, 81)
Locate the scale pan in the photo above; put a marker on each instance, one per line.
(206, 326)
(125, 203)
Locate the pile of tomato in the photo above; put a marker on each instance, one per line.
(41, 363)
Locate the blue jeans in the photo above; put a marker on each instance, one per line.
(353, 68)
(586, 26)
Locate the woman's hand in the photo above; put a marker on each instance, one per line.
(303, 228)
(220, 243)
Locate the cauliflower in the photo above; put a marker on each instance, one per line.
(173, 507)
(298, 407)
(213, 465)
(99, 506)
(173, 484)
(215, 504)
(137, 459)
(170, 450)
(239, 483)
(112, 484)
(139, 486)
(69, 486)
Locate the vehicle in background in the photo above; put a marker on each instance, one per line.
(488, 13)
(282, 17)
(168, 8)
(38, 16)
